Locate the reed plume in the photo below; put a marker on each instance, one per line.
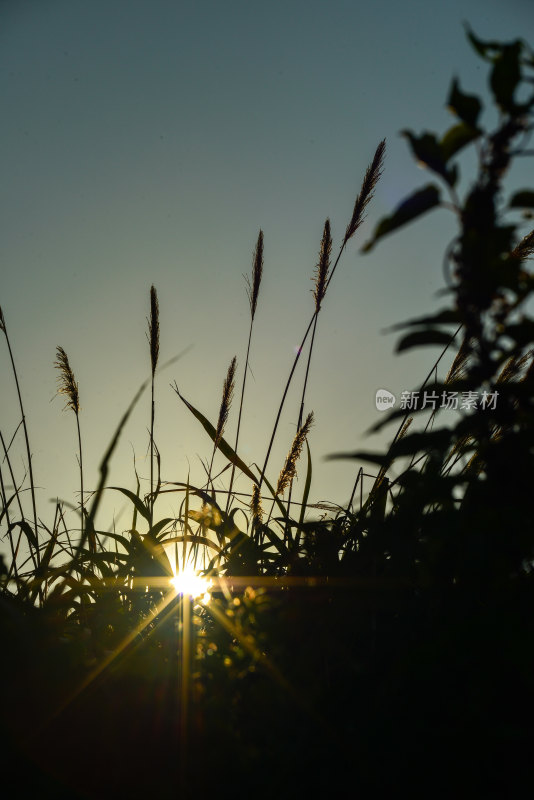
(255, 505)
(289, 469)
(457, 370)
(226, 401)
(69, 387)
(227, 396)
(253, 286)
(525, 248)
(153, 329)
(153, 342)
(513, 367)
(372, 176)
(323, 267)
(67, 381)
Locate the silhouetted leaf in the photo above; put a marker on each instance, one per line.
(159, 527)
(506, 74)
(307, 484)
(138, 503)
(27, 529)
(45, 561)
(482, 48)
(429, 153)
(456, 138)
(522, 199)
(104, 468)
(223, 445)
(360, 455)
(467, 107)
(193, 538)
(426, 337)
(416, 204)
(446, 316)
(421, 441)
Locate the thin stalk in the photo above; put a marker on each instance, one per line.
(321, 278)
(3, 327)
(370, 180)
(82, 506)
(8, 522)
(69, 387)
(13, 567)
(253, 292)
(229, 498)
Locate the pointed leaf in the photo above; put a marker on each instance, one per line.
(158, 528)
(307, 485)
(45, 561)
(104, 465)
(27, 529)
(456, 138)
(416, 204)
(420, 338)
(223, 446)
(466, 106)
(360, 455)
(419, 441)
(427, 151)
(446, 316)
(506, 75)
(482, 48)
(194, 539)
(138, 503)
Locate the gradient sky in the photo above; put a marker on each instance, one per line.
(147, 142)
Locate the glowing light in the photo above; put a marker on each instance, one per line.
(190, 583)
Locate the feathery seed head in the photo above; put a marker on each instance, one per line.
(66, 380)
(372, 176)
(253, 286)
(228, 391)
(255, 504)
(289, 469)
(403, 430)
(457, 370)
(525, 248)
(153, 329)
(323, 267)
(513, 367)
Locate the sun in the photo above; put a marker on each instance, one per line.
(188, 582)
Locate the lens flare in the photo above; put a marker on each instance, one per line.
(188, 582)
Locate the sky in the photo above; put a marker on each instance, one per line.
(147, 143)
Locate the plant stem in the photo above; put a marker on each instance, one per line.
(27, 441)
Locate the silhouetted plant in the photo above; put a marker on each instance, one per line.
(451, 520)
